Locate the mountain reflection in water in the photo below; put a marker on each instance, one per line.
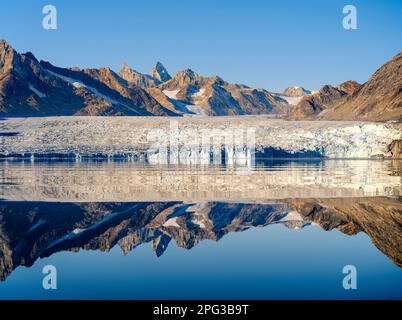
(52, 207)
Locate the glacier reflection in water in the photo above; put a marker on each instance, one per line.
(283, 230)
(125, 181)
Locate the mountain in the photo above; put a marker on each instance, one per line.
(145, 81)
(111, 86)
(291, 96)
(160, 73)
(27, 89)
(32, 88)
(320, 101)
(379, 99)
(163, 99)
(295, 91)
(349, 87)
(137, 79)
(193, 93)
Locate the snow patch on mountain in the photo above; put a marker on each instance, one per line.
(196, 109)
(79, 84)
(171, 94)
(291, 100)
(199, 93)
(191, 109)
(37, 92)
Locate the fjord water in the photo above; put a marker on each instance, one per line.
(123, 230)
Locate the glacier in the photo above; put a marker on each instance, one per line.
(159, 139)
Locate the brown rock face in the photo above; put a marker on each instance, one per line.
(162, 99)
(183, 78)
(379, 99)
(160, 73)
(138, 79)
(128, 99)
(27, 89)
(396, 148)
(349, 87)
(32, 88)
(216, 97)
(320, 102)
(8, 58)
(311, 105)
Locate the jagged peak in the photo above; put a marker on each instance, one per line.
(125, 66)
(31, 56)
(159, 65)
(326, 88)
(4, 44)
(349, 86)
(126, 69)
(350, 82)
(46, 64)
(8, 56)
(396, 57)
(134, 77)
(160, 73)
(106, 69)
(187, 73)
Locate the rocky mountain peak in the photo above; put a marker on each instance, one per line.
(349, 86)
(159, 72)
(186, 76)
(125, 67)
(8, 56)
(30, 56)
(4, 46)
(218, 80)
(313, 104)
(126, 71)
(182, 80)
(327, 89)
(187, 72)
(295, 91)
(38, 88)
(134, 77)
(129, 73)
(379, 99)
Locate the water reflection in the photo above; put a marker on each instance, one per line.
(125, 181)
(55, 207)
(30, 230)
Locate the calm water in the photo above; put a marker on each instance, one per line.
(120, 230)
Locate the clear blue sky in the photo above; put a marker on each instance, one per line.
(270, 44)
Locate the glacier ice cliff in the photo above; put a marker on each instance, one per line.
(193, 139)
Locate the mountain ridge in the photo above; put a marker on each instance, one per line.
(29, 87)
